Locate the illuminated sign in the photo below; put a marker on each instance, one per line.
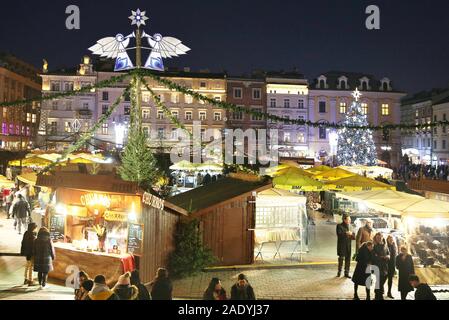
(115, 216)
(153, 201)
(95, 199)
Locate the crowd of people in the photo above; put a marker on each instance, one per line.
(379, 256)
(422, 171)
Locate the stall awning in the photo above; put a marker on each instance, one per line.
(356, 182)
(28, 178)
(5, 183)
(277, 198)
(334, 174)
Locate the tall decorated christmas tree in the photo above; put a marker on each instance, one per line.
(356, 145)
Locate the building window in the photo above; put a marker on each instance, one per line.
(68, 86)
(160, 114)
(202, 115)
(104, 109)
(33, 118)
(273, 103)
(364, 108)
(104, 129)
(434, 144)
(146, 114)
(238, 93)
(127, 110)
(342, 107)
(203, 134)
(385, 109)
(105, 96)
(286, 136)
(188, 115)
(238, 115)
(174, 133)
(86, 105)
(322, 107)
(54, 105)
(256, 117)
(217, 116)
(146, 131)
(161, 133)
(301, 137)
(55, 86)
(286, 103)
(322, 133)
(68, 105)
(443, 144)
(256, 93)
(67, 126)
(188, 99)
(175, 114)
(53, 127)
(417, 113)
(301, 104)
(28, 117)
(202, 84)
(127, 97)
(217, 98)
(174, 98)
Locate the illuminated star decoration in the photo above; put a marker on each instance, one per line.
(138, 17)
(356, 94)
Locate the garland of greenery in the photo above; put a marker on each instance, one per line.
(234, 108)
(88, 134)
(102, 84)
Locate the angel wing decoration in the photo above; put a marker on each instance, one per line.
(114, 47)
(162, 47)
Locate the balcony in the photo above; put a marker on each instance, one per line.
(84, 114)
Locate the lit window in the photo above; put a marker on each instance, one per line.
(188, 99)
(364, 108)
(28, 117)
(174, 133)
(286, 136)
(342, 107)
(217, 98)
(33, 118)
(104, 128)
(67, 126)
(202, 115)
(174, 98)
(385, 109)
(301, 137)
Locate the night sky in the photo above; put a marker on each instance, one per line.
(411, 48)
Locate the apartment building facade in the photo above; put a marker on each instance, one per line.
(18, 80)
(330, 95)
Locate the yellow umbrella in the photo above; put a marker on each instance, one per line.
(356, 183)
(297, 181)
(334, 174)
(285, 169)
(319, 169)
(28, 178)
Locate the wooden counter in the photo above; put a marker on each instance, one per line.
(94, 263)
(433, 276)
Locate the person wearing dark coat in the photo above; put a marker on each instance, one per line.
(360, 277)
(143, 291)
(161, 286)
(423, 291)
(344, 238)
(242, 290)
(405, 266)
(100, 291)
(123, 288)
(391, 243)
(381, 255)
(215, 291)
(44, 254)
(27, 250)
(21, 212)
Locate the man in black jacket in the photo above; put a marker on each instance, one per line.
(423, 291)
(21, 212)
(242, 290)
(344, 238)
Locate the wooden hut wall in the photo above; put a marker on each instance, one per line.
(225, 230)
(158, 238)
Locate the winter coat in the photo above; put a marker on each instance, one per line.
(242, 293)
(363, 235)
(161, 289)
(213, 295)
(380, 257)
(143, 292)
(392, 262)
(101, 292)
(364, 258)
(423, 292)
(21, 209)
(343, 240)
(126, 292)
(405, 269)
(28, 244)
(44, 253)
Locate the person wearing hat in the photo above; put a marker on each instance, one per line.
(344, 238)
(364, 234)
(100, 290)
(242, 290)
(135, 281)
(124, 290)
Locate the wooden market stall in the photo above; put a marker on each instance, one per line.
(226, 212)
(104, 225)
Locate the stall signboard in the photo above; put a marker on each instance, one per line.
(135, 239)
(115, 216)
(153, 201)
(57, 226)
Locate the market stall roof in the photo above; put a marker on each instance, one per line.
(215, 193)
(297, 181)
(427, 208)
(184, 165)
(287, 170)
(371, 171)
(377, 196)
(334, 174)
(5, 183)
(357, 182)
(278, 197)
(319, 169)
(28, 178)
(210, 166)
(44, 159)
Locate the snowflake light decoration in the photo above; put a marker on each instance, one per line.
(138, 17)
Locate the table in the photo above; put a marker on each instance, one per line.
(276, 238)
